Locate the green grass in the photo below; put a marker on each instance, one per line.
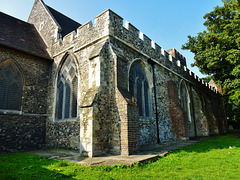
(211, 159)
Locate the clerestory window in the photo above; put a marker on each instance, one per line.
(11, 87)
(67, 88)
(139, 88)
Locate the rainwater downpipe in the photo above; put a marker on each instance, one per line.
(150, 61)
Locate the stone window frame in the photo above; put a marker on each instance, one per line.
(182, 84)
(61, 65)
(144, 80)
(17, 67)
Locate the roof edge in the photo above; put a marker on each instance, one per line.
(48, 11)
(27, 52)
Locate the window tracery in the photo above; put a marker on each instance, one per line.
(67, 88)
(11, 87)
(139, 88)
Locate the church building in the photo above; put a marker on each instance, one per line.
(98, 88)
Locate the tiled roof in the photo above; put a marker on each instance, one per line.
(20, 35)
(68, 25)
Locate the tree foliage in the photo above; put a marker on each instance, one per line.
(217, 49)
(207, 78)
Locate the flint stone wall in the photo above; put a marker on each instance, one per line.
(105, 52)
(26, 129)
(107, 119)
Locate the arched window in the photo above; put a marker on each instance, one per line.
(11, 87)
(139, 88)
(185, 100)
(202, 103)
(67, 88)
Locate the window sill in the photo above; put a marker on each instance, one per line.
(5, 111)
(141, 118)
(65, 120)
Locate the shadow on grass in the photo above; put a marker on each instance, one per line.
(28, 166)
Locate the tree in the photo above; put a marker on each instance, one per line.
(207, 79)
(217, 50)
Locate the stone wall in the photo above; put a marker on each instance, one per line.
(200, 117)
(131, 45)
(63, 135)
(44, 22)
(25, 129)
(108, 118)
(176, 112)
(21, 132)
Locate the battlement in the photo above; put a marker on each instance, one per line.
(84, 35)
(111, 24)
(133, 37)
(177, 56)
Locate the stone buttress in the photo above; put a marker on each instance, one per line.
(108, 119)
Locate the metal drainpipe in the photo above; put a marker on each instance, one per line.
(150, 61)
(193, 111)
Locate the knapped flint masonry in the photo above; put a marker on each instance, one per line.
(90, 87)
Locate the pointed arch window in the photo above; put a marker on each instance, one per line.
(11, 86)
(67, 88)
(185, 99)
(139, 88)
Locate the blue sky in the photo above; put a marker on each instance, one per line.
(168, 23)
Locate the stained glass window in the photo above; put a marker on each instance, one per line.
(11, 87)
(146, 92)
(139, 96)
(74, 97)
(60, 100)
(67, 87)
(184, 97)
(139, 88)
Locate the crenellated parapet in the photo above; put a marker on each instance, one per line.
(83, 36)
(110, 24)
(132, 37)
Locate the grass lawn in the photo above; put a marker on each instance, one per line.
(211, 159)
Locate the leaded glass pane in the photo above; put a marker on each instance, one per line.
(14, 95)
(10, 87)
(72, 72)
(139, 97)
(3, 92)
(68, 62)
(146, 98)
(183, 97)
(131, 85)
(59, 100)
(67, 100)
(68, 104)
(74, 97)
(138, 82)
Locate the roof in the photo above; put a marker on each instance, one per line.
(68, 25)
(20, 35)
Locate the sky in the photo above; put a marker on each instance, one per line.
(168, 23)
